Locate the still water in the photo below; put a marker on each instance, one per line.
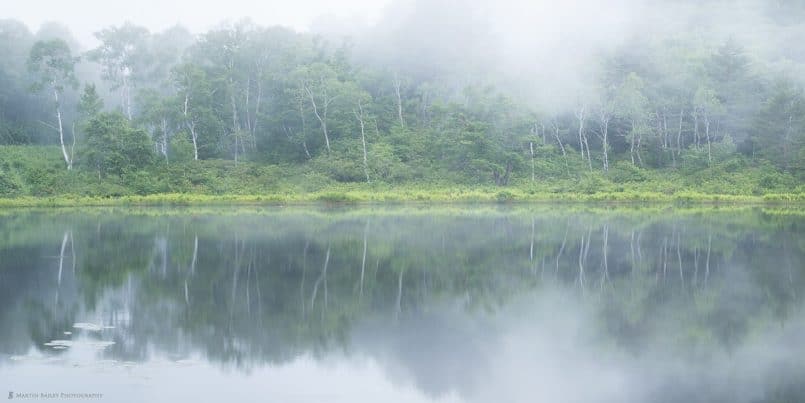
(404, 304)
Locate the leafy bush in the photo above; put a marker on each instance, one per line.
(8, 185)
(626, 172)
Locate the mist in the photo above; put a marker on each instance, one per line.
(545, 52)
(549, 53)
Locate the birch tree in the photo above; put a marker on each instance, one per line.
(581, 116)
(119, 53)
(53, 65)
(319, 84)
(397, 91)
(604, 116)
(707, 106)
(632, 106)
(193, 92)
(361, 100)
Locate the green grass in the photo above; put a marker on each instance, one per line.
(34, 176)
(402, 195)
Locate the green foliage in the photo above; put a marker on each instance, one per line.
(181, 149)
(340, 167)
(53, 64)
(280, 112)
(90, 104)
(8, 185)
(113, 146)
(624, 172)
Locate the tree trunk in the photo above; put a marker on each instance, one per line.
(707, 136)
(235, 124)
(257, 112)
(67, 158)
(604, 118)
(359, 115)
(589, 155)
(632, 142)
(561, 146)
(321, 117)
(678, 137)
(533, 173)
(580, 117)
(397, 85)
(637, 147)
(191, 126)
(583, 143)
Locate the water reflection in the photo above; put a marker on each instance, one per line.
(523, 304)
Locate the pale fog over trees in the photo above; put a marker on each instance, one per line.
(470, 92)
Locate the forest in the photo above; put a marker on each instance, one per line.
(243, 109)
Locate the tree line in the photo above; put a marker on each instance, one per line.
(269, 95)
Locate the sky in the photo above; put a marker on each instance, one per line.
(84, 17)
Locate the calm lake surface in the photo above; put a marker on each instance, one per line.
(404, 304)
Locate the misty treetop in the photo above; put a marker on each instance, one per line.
(143, 103)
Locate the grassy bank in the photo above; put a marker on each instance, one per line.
(403, 195)
(33, 176)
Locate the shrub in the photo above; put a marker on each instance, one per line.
(626, 172)
(8, 185)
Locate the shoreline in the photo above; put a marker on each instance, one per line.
(447, 196)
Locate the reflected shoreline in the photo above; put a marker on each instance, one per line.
(446, 298)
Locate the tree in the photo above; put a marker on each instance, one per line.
(159, 115)
(604, 112)
(581, 116)
(361, 101)
(320, 85)
(54, 67)
(89, 106)
(779, 129)
(113, 146)
(194, 94)
(708, 107)
(121, 52)
(222, 56)
(632, 105)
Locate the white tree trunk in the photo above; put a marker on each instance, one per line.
(322, 117)
(561, 146)
(533, 173)
(191, 126)
(580, 117)
(603, 120)
(397, 85)
(359, 115)
(707, 136)
(67, 158)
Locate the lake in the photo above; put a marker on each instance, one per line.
(403, 304)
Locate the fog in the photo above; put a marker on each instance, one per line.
(85, 17)
(547, 348)
(548, 52)
(542, 51)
